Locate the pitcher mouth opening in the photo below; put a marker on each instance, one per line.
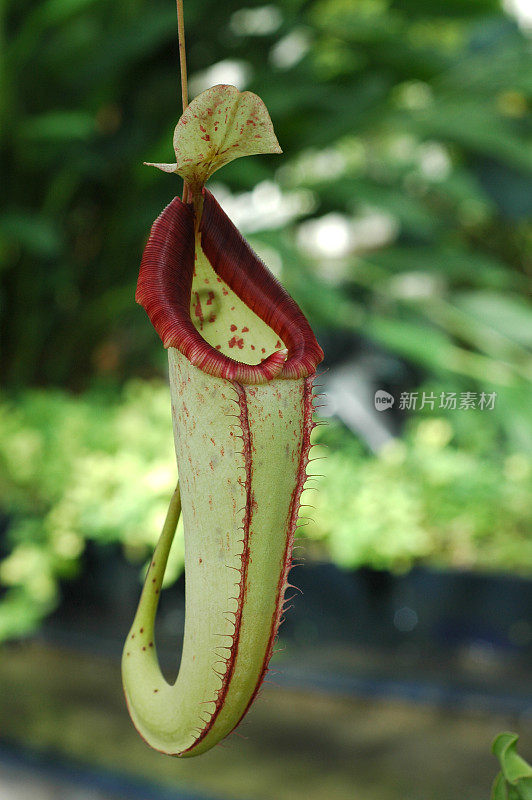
(209, 295)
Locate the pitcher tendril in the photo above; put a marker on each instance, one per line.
(182, 69)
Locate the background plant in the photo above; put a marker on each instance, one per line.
(514, 781)
(91, 468)
(397, 216)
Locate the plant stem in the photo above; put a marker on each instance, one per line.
(183, 69)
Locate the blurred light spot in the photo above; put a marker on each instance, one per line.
(236, 73)
(24, 562)
(256, 21)
(327, 164)
(41, 587)
(405, 619)
(161, 478)
(413, 95)
(434, 161)
(415, 285)
(512, 104)
(266, 196)
(434, 433)
(521, 10)
(265, 207)
(23, 455)
(155, 522)
(290, 49)
(328, 236)
(403, 147)
(394, 452)
(68, 544)
(335, 236)
(441, 35)
(517, 467)
(373, 230)
(314, 166)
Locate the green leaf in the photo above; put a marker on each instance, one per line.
(510, 315)
(486, 132)
(220, 124)
(457, 264)
(498, 790)
(434, 349)
(514, 768)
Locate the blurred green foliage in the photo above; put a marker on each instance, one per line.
(424, 498)
(78, 469)
(403, 206)
(89, 468)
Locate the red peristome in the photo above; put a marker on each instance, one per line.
(165, 284)
(234, 261)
